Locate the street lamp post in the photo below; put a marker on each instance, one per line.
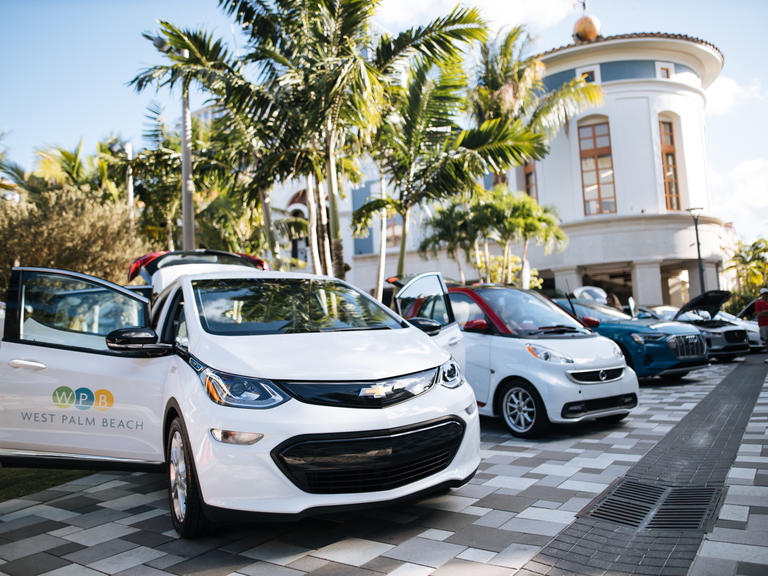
(187, 184)
(695, 213)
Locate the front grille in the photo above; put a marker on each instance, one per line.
(736, 336)
(688, 346)
(597, 376)
(582, 407)
(381, 460)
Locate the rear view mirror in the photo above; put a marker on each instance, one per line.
(427, 325)
(476, 325)
(590, 322)
(137, 339)
(632, 307)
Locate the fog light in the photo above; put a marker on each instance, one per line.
(471, 408)
(233, 437)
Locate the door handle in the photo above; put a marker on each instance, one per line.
(453, 341)
(31, 364)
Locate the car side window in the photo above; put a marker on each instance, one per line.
(465, 309)
(425, 298)
(176, 326)
(73, 312)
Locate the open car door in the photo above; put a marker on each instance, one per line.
(426, 296)
(66, 395)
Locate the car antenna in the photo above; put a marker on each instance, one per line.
(570, 300)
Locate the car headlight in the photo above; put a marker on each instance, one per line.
(617, 353)
(706, 333)
(643, 338)
(238, 391)
(548, 355)
(450, 375)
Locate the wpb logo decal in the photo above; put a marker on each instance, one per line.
(83, 398)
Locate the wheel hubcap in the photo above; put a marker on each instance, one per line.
(519, 409)
(178, 477)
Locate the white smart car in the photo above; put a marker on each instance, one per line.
(257, 391)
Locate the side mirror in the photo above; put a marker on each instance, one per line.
(137, 339)
(476, 325)
(590, 322)
(427, 325)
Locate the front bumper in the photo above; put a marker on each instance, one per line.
(247, 478)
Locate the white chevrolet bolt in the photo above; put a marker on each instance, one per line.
(258, 392)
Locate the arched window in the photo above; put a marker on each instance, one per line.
(669, 164)
(597, 183)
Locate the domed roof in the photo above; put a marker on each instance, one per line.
(586, 29)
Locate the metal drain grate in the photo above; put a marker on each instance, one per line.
(686, 509)
(652, 507)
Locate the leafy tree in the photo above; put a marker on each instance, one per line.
(750, 261)
(68, 228)
(451, 228)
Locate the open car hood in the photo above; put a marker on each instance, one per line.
(711, 302)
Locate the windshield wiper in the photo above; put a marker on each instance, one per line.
(555, 329)
(358, 328)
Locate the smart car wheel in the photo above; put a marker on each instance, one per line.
(183, 492)
(522, 409)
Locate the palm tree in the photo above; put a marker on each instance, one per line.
(323, 50)
(430, 157)
(539, 224)
(450, 228)
(509, 84)
(750, 261)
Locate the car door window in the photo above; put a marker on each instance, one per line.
(73, 312)
(465, 309)
(425, 297)
(176, 327)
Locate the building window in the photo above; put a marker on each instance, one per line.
(597, 169)
(669, 165)
(529, 180)
(590, 74)
(664, 72)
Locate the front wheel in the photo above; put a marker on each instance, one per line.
(522, 410)
(183, 491)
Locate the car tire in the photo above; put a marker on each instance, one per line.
(614, 419)
(183, 491)
(522, 409)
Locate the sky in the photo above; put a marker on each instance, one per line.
(65, 68)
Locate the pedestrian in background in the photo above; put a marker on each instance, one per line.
(761, 312)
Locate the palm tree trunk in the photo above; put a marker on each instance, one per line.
(487, 260)
(477, 259)
(382, 244)
(525, 279)
(403, 239)
(312, 225)
(325, 253)
(169, 233)
(337, 248)
(274, 247)
(462, 278)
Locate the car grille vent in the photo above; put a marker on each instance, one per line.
(378, 460)
(655, 507)
(736, 336)
(597, 376)
(688, 346)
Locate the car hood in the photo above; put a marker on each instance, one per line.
(711, 302)
(650, 325)
(322, 356)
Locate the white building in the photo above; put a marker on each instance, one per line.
(622, 177)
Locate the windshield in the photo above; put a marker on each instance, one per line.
(251, 306)
(525, 313)
(598, 311)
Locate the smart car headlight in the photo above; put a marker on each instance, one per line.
(238, 391)
(450, 374)
(547, 354)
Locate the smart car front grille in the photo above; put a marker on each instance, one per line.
(370, 462)
(734, 336)
(688, 346)
(584, 407)
(597, 376)
(362, 394)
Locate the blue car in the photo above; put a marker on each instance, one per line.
(652, 347)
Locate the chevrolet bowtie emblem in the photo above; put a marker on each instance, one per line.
(376, 391)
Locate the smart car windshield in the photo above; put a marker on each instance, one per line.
(251, 306)
(528, 313)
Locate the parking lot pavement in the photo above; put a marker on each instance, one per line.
(525, 493)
